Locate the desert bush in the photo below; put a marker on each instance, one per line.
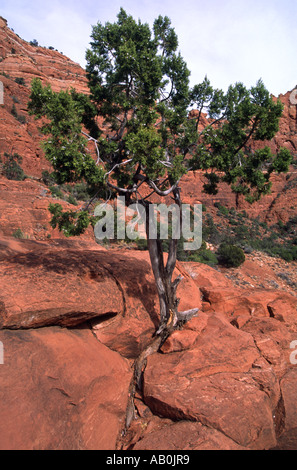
(71, 199)
(18, 233)
(56, 192)
(230, 255)
(11, 168)
(48, 178)
(20, 81)
(204, 256)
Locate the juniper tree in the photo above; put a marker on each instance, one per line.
(139, 90)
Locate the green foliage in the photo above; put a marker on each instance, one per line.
(20, 117)
(130, 69)
(14, 110)
(230, 255)
(11, 168)
(18, 233)
(79, 191)
(66, 148)
(70, 222)
(71, 199)
(20, 81)
(48, 178)
(56, 192)
(204, 256)
(222, 210)
(139, 86)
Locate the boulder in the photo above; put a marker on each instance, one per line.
(212, 383)
(56, 287)
(240, 304)
(187, 435)
(60, 390)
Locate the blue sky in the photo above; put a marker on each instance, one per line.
(227, 40)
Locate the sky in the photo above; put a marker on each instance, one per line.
(228, 40)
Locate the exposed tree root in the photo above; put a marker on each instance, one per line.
(140, 363)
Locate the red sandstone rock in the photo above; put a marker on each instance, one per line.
(60, 390)
(288, 436)
(56, 287)
(211, 383)
(223, 377)
(24, 206)
(130, 333)
(187, 436)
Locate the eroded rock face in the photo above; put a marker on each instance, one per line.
(187, 436)
(212, 383)
(60, 389)
(226, 377)
(225, 381)
(56, 287)
(20, 63)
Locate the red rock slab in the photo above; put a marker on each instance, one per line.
(230, 403)
(238, 302)
(130, 333)
(56, 287)
(206, 276)
(273, 339)
(288, 436)
(186, 435)
(212, 383)
(284, 309)
(60, 390)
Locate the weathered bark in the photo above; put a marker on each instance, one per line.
(170, 318)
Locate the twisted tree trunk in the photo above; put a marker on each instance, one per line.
(170, 318)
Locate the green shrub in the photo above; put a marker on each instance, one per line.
(20, 81)
(141, 244)
(12, 169)
(48, 178)
(230, 255)
(18, 233)
(203, 256)
(56, 192)
(71, 199)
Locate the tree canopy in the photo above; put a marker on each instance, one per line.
(139, 88)
(138, 117)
